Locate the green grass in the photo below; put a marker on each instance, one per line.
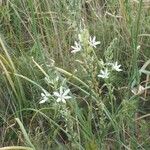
(35, 42)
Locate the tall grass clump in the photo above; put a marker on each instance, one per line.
(74, 74)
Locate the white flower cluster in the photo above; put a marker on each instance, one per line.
(105, 73)
(61, 96)
(77, 45)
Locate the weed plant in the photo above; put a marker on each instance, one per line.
(74, 74)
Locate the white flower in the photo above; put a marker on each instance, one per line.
(116, 67)
(62, 95)
(44, 97)
(92, 42)
(76, 48)
(104, 74)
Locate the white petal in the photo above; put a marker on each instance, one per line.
(102, 72)
(98, 42)
(58, 99)
(56, 94)
(74, 51)
(73, 47)
(67, 97)
(76, 43)
(101, 76)
(42, 94)
(66, 92)
(61, 90)
(94, 38)
(63, 100)
(118, 69)
(42, 101)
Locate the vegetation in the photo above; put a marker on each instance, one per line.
(74, 74)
